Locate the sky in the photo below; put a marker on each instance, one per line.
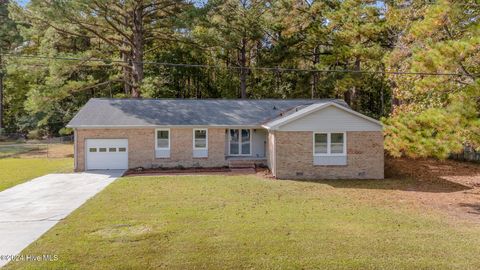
(22, 2)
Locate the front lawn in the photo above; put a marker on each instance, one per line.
(14, 171)
(238, 222)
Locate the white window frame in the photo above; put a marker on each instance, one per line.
(239, 142)
(169, 138)
(206, 139)
(329, 154)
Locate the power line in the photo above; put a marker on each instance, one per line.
(433, 3)
(275, 69)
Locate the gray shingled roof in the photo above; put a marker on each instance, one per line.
(216, 112)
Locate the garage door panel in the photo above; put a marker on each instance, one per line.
(107, 154)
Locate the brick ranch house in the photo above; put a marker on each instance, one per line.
(307, 139)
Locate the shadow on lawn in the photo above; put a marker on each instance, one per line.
(474, 208)
(419, 175)
(403, 184)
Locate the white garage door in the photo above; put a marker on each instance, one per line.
(106, 154)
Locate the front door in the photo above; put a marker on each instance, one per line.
(240, 142)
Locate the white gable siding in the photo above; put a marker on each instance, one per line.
(331, 119)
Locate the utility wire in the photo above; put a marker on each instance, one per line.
(275, 69)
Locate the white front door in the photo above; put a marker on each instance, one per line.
(106, 154)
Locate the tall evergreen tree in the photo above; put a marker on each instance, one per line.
(9, 37)
(234, 28)
(435, 115)
(235, 37)
(123, 29)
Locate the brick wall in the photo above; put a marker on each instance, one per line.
(141, 147)
(294, 157)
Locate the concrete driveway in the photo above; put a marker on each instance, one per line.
(30, 209)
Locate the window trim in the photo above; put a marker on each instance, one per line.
(206, 139)
(169, 138)
(329, 141)
(240, 142)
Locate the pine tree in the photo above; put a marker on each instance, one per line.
(234, 28)
(123, 28)
(435, 115)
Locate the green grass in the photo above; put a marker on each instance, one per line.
(244, 222)
(15, 149)
(14, 171)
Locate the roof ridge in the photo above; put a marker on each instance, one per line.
(220, 99)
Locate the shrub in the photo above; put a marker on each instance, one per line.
(35, 134)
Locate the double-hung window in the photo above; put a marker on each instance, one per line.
(330, 148)
(200, 143)
(162, 143)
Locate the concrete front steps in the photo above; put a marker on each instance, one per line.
(244, 166)
(241, 164)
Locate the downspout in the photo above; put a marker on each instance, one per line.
(75, 149)
(274, 165)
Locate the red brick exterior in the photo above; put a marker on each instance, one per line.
(294, 157)
(289, 154)
(141, 147)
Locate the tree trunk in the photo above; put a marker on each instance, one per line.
(137, 51)
(314, 74)
(126, 74)
(126, 70)
(382, 101)
(351, 95)
(243, 70)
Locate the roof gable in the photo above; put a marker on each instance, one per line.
(325, 116)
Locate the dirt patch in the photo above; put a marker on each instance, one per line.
(122, 231)
(453, 187)
(437, 171)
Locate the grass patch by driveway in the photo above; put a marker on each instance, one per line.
(238, 222)
(14, 171)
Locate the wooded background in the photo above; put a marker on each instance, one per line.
(413, 64)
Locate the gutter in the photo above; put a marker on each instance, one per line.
(162, 126)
